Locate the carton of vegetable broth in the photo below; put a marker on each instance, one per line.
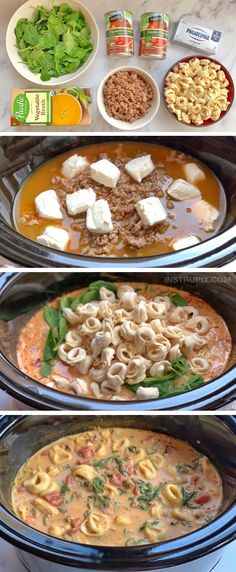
(58, 107)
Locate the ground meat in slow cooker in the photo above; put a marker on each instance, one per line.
(127, 96)
(122, 200)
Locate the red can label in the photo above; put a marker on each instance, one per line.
(119, 33)
(154, 28)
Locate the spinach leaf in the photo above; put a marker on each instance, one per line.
(98, 485)
(45, 369)
(100, 501)
(51, 316)
(64, 489)
(176, 298)
(100, 283)
(186, 496)
(149, 524)
(104, 462)
(58, 329)
(165, 383)
(31, 36)
(148, 493)
(182, 469)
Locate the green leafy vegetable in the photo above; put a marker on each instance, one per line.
(148, 493)
(149, 524)
(98, 485)
(185, 468)
(176, 299)
(182, 469)
(186, 496)
(100, 501)
(64, 489)
(102, 283)
(58, 329)
(165, 382)
(55, 42)
(134, 541)
(58, 326)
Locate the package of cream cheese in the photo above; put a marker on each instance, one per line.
(196, 36)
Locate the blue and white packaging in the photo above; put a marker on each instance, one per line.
(201, 38)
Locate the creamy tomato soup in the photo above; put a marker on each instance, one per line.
(117, 487)
(189, 202)
(124, 341)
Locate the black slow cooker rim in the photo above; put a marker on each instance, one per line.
(211, 537)
(220, 390)
(221, 249)
(40, 397)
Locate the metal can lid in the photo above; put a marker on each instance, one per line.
(155, 16)
(114, 14)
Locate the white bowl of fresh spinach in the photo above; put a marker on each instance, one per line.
(52, 43)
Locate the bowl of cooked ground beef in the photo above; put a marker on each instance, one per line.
(128, 98)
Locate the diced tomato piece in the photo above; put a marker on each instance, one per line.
(116, 478)
(75, 522)
(54, 498)
(70, 481)
(29, 519)
(170, 449)
(45, 453)
(84, 462)
(130, 469)
(203, 499)
(195, 479)
(135, 490)
(86, 452)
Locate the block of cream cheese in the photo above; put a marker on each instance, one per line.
(99, 218)
(150, 211)
(198, 37)
(193, 173)
(54, 237)
(185, 242)
(105, 173)
(181, 190)
(140, 167)
(206, 214)
(73, 166)
(80, 201)
(47, 205)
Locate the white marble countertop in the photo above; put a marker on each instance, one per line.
(220, 15)
(10, 563)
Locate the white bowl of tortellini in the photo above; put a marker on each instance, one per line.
(198, 91)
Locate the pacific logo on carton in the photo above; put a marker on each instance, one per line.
(197, 34)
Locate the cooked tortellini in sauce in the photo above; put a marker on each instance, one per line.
(146, 487)
(122, 347)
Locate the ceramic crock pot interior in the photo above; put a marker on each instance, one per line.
(22, 294)
(215, 436)
(20, 156)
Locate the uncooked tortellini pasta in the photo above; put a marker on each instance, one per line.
(196, 91)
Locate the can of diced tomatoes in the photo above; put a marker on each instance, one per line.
(119, 33)
(153, 38)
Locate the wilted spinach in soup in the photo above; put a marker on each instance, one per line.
(124, 341)
(116, 487)
(120, 200)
